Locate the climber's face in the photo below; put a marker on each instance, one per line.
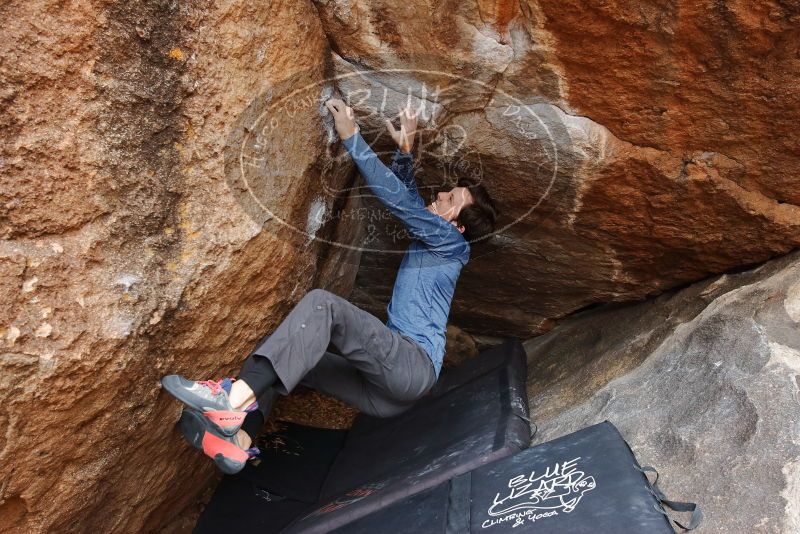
(448, 204)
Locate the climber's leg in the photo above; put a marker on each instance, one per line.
(251, 427)
(254, 421)
(257, 375)
(384, 358)
(335, 376)
(223, 402)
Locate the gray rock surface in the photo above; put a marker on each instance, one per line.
(703, 383)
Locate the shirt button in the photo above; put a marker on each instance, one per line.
(319, 307)
(303, 325)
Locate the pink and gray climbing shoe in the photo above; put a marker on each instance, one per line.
(209, 398)
(224, 450)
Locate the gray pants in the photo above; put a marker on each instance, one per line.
(380, 372)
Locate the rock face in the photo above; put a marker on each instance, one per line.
(126, 254)
(702, 382)
(658, 144)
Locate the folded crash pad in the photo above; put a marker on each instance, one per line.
(585, 482)
(509, 355)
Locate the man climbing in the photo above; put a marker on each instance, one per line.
(383, 368)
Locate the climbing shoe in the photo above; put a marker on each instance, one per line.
(211, 399)
(224, 450)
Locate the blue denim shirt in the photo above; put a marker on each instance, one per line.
(423, 289)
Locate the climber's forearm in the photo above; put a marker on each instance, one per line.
(431, 229)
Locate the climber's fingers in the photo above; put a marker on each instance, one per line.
(405, 112)
(398, 136)
(409, 112)
(408, 122)
(391, 129)
(338, 108)
(332, 105)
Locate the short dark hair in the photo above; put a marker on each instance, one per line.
(480, 217)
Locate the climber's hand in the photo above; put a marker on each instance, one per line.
(343, 117)
(408, 127)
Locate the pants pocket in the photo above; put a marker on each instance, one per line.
(382, 346)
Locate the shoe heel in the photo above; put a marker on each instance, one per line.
(197, 430)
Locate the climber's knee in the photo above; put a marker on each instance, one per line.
(317, 295)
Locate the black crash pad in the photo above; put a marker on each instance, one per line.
(284, 482)
(423, 513)
(586, 482)
(468, 423)
(509, 355)
(475, 415)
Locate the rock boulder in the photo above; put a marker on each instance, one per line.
(126, 252)
(703, 383)
(633, 147)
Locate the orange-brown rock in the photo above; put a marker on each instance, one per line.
(125, 254)
(659, 143)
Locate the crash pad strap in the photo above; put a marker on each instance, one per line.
(678, 506)
(505, 408)
(458, 505)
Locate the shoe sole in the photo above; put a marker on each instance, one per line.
(199, 432)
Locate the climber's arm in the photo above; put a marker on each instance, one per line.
(403, 168)
(402, 162)
(431, 229)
